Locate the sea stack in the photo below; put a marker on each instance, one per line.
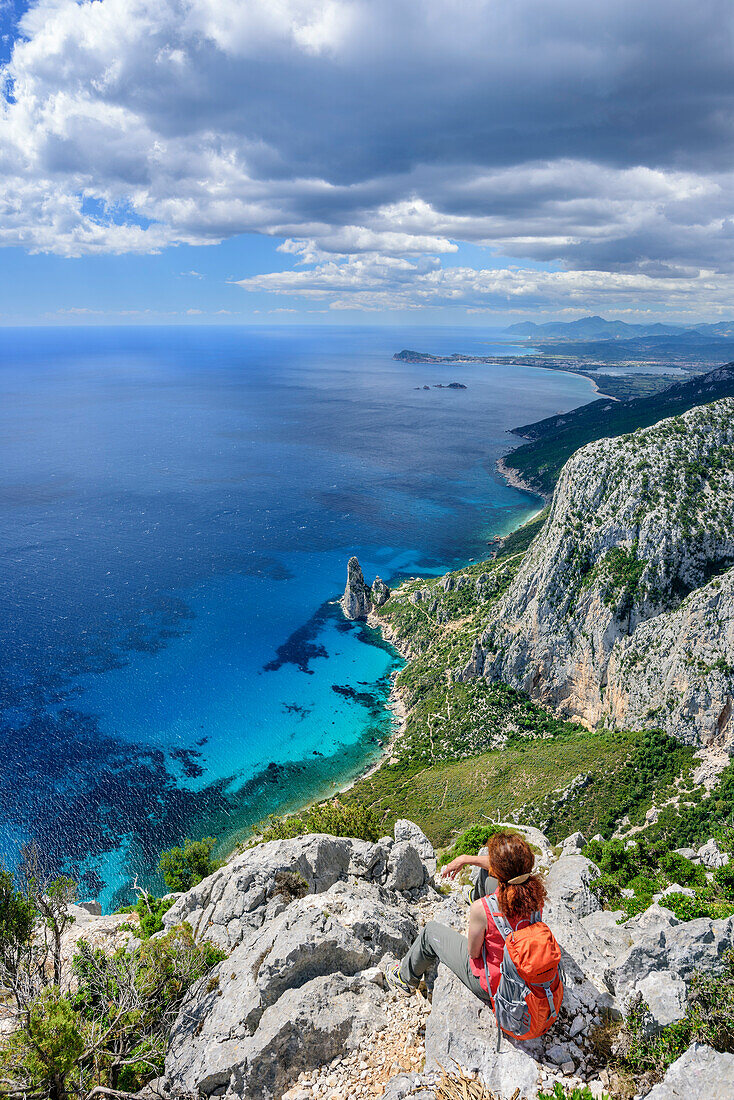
(357, 598)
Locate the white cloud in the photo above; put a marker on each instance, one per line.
(595, 137)
(376, 282)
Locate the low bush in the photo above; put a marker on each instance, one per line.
(355, 820)
(648, 869)
(682, 870)
(686, 908)
(185, 867)
(470, 841)
(566, 1092)
(150, 912)
(724, 879)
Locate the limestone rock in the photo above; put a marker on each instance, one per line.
(613, 614)
(344, 931)
(235, 900)
(408, 830)
(711, 855)
(609, 938)
(687, 853)
(569, 881)
(674, 888)
(92, 907)
(409, 1085)
(356, 601)
(405, 868)
(664, 993)
(573, 844)
(700, 1072)
(380, 593)
(662, 944)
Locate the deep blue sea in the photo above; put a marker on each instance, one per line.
(177, 507)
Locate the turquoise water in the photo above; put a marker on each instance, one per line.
(177, 507)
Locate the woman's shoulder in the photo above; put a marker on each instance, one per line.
(478, 908)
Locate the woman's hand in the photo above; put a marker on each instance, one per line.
(452, 869)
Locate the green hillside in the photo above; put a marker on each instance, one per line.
(554, 440)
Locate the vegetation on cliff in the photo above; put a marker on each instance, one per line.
(552, 441)
(97, 1019)
(471, 750)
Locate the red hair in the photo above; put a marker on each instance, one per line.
(510, 856)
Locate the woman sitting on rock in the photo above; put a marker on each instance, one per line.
(507, 873)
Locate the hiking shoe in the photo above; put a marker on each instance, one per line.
(467, 894)
(394, 981)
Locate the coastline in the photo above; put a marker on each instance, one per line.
(513, 478)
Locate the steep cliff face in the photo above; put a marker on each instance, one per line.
(622, 609)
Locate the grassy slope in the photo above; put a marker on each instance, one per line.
(540, 461)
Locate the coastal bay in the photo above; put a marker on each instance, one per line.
(177, 511)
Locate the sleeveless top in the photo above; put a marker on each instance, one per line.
(494, 945)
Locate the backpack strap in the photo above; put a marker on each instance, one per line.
(493, 910)
(551, 1002)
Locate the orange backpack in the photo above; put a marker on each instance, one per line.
(530, 991)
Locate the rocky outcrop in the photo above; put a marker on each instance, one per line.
(309, 925)
(255, 887)
(357, 599)
(380, 592)
(660, 943)
(711, 855)
(570, 879)
(701, 1072)
(623, 609)
(305, 923)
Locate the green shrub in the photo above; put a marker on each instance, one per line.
(336, 818)
(565, 1092)
(686, 908)
(632, 907)
(185, 867)
(470, 841)
(45, 1049)
(17, 913)
(682, 870)
(150, 912)
(724, 879)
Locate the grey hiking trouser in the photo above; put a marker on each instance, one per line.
(438, 942)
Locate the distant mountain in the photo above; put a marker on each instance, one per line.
(595, 328)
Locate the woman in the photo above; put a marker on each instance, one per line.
(507, 872)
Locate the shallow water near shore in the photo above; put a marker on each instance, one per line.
(177, 507)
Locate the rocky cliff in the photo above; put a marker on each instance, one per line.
(299, 1009)
(623, 609)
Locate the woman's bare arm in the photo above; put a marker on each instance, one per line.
(477, 928)
(452, 869)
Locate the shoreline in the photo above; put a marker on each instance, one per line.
(395, 703)
(513, 478)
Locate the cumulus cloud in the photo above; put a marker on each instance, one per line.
(374, 134)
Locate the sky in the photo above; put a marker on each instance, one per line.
(371, 161)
